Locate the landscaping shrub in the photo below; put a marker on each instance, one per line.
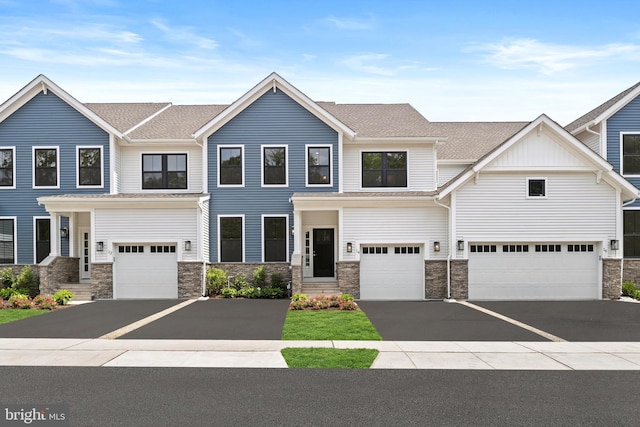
(629, 289)
(42, 302)
(7, 278)
(27, 281)
(248, 292)
(320, 302)
(19, 301)
(5, 293)
(216, 280)
(228, 292)
(239, 282)
(63, 296)
(260, 277)
(277, 282)
(348, 306)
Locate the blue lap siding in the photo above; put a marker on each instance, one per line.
(273, 119)
(46, 120)
(626, 120)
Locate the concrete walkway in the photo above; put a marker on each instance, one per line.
(266, 354)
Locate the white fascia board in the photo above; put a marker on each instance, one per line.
(272, 82)
(43, 84)
(616, 107)
(404, 139)
(147, 142)
(87, 204)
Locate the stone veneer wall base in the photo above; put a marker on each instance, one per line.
(102, 280)
(191, 276)
(459, 279)
(435, 279)
(611, 278)
(348, 277)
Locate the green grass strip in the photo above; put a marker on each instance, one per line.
(329, 358)
(11, 315)
(328, 325)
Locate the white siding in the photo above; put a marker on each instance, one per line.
(396, 226)
(147, 225)
(419, 166)
(591, 140)
(536, 150)
(447, 172)
(205, 230)
(496, 208)
(117, 184)
(131, 167)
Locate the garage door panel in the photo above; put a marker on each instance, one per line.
(394, 275)
(148, 273)
(535, 275)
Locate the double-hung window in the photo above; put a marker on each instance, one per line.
(230, 166)
(274, 165)
(89, 166)
(164, 171)
(275, 238)
(7, 241)
(45, 167)
(631, 233)
(7, 168)
(630, 154)
(384, 169)
(319, 165)
(231, 239)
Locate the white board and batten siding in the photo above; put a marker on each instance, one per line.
(420, 166)
(131, 167)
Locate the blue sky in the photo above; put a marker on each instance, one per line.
(453, 61)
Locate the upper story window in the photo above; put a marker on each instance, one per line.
(631, 233)
(630, 154)
(231, 166)
(319, 165)
(274, 166)
(164, 171)
(536, 188)
(45, 167)
(384, 169)
(89, 166)
(7, 168)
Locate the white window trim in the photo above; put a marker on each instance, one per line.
(244, 235)
(306, 165)
(13, 149)
(15, 237)
(33, 166)
(163, 190)
(35, 249)
(286, 165)
(621, 149)
(382, 189)
(85, 147)
(536, 178)
(287, 239)
(241, 147)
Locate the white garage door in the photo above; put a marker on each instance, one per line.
(392, 272)
(533, 271)
(146, 271)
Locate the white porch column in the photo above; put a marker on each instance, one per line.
(72, 235)
(296, 258)
(54, 234)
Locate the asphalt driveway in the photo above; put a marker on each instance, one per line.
(84, 321)
(219, 319)
(575, 320)
(439, 321)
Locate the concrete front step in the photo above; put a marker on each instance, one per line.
(318, 288)
(81, 291)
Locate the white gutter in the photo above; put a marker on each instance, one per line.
(448, 208)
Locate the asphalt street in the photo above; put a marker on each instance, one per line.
(266, 397)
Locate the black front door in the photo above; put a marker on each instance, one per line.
(43, 239)
(323, 252)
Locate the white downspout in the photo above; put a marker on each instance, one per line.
(448, 208)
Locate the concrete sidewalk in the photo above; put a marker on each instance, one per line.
(266, 354)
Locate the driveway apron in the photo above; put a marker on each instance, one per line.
(84, 321)
(439, 321)
(219, 319)
(613, 321)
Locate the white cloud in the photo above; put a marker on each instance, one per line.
(350, 24)
(549, 58)
(376, 63)
(184, 35)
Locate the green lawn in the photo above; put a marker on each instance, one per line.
(7, 315)
(328, 325)
(360, 358)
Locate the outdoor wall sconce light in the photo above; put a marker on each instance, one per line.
(349, 247)
(614, 245)
(64, 232)
(293, 231)
(461, 245)
(436, 246)
(187, 245)
(100, 246)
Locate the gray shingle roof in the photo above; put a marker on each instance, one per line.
(472, 140)
(591, 115)
(177, 122)
(380, 120)
(124, 116)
